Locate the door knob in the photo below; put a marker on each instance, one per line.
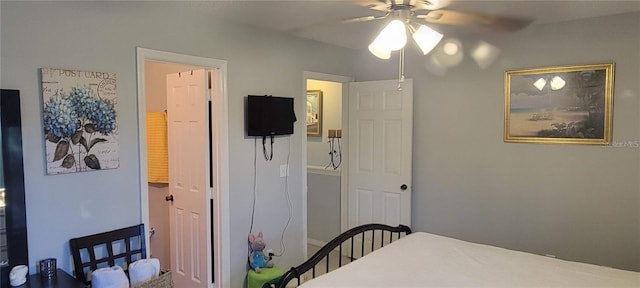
(168, 198)
(403, 187)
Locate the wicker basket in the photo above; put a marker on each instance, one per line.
(162, 281)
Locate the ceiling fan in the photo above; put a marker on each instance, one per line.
(412, 15)
(432, 12)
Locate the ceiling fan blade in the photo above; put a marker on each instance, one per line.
(416, 5)
(377, 5)
(505, 24)
(430, 4)
(380, 7)
(361, 19)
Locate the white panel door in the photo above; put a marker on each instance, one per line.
(188, 132)
(380, 135)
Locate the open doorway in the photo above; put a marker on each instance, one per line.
(156, 104)
(326, 160)
(152, 195)
(385, 113)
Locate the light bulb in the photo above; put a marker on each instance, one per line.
(450, 53)
(379, 52)
(484, 54)
(426, 38)
(394, 36)
(450, 48)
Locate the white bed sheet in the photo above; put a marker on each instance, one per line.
(428, 260)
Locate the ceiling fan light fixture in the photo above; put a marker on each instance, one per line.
(450, 53)
(393, 37)
(450, 48)
(379, 52)
(484, 54)
(426, 38)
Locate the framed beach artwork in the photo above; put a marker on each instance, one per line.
(570, 104)
(79, 120)
(314, 113)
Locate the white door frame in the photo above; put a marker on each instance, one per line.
(221, 231)
(344, 196)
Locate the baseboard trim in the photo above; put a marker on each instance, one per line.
(321, 244)
(323, 171)
(316, 242)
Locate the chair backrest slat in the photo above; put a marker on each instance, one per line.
(91, 242)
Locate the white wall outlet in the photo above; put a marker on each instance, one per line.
(284, 170)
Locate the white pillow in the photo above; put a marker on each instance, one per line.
(109, 277)
(144, 270)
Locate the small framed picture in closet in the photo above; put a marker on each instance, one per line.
(314, 113)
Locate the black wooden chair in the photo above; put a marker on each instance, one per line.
(118, 247)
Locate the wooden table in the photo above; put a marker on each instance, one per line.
(62, 280)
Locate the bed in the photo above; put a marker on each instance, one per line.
(400, 258)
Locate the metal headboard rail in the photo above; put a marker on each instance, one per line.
(349, 235)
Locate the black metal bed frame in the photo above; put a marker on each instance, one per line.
(323, 253)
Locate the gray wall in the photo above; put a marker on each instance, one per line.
(103, 36)
(323, 206)
(577, 202)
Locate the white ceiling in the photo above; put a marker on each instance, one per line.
(321, 20)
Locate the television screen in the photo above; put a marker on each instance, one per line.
(269, 116)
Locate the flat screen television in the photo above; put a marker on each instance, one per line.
(269, 116)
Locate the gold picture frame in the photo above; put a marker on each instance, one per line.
(313, 117)
(567, 104)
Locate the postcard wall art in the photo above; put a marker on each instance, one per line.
(79, 120)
